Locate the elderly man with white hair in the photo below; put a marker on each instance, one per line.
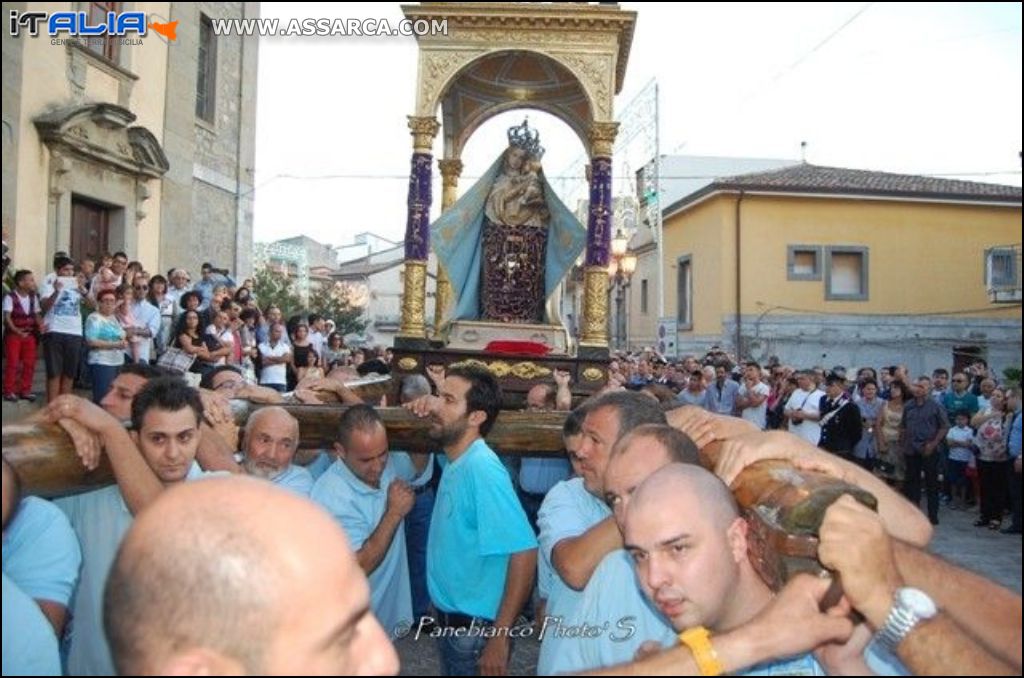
(179, 284)
(269, 441)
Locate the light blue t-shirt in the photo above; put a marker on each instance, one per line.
(100, 518)
(568, 511)
(29, 644)
(359, 509)
(537, 475)
(296, 479)
(612, 620)
(800, 665)
(406, 469)
(41, 553)
(320, 464)
(477, 524)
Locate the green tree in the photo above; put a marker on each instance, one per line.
(273, 288)
(333, 302)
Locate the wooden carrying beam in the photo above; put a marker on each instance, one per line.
(784, 507)
(47, 465)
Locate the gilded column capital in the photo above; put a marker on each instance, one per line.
(451, 170)
(423, 130)
(602, 138)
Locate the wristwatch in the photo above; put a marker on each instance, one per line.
(910, 606)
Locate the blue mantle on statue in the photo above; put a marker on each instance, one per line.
(458, 240)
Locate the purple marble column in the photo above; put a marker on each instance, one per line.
(599, 218)
(417, 225)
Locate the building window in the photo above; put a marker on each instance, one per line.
(107, 46)
(684, 293)
(1000, 267)
(643, 296)
(846, 274)
(206, 78)
(803, 262)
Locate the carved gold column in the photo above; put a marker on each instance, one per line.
(594, 333)
(417, 228)
(451, 169)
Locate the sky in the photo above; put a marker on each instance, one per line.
(919, 88)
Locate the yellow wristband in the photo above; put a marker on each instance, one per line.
(699, 641)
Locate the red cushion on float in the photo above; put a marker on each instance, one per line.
(531, 348)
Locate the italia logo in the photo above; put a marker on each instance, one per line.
(78, 24)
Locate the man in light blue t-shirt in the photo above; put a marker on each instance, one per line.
(576, 527)
(158, 452)
(689, 544)
(627, 619)
(29, 644)
(269, 442)
(271, 438)
(41, 554)
(364, 495)
(481, 552)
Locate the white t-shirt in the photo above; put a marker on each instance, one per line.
(274, 374)
(65, 316)
(758, 416)
(807, 402)
(960, 434)
(318, 342)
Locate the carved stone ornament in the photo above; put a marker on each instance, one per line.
(525, 370)
(102, 135)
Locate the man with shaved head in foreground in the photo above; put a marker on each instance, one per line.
(234, 576)
(689, 542)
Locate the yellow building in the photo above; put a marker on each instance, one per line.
(143, 142)
(825, 266)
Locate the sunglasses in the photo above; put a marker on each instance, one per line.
(141, 287)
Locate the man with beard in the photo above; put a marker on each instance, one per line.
(364, 495)
(271, 438)
(269, 442)
(482, 553)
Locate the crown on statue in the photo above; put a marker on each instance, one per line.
(525, 138)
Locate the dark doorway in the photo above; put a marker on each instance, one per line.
(964, 356)
(90, 229)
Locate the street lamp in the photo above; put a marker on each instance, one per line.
(620, 270)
